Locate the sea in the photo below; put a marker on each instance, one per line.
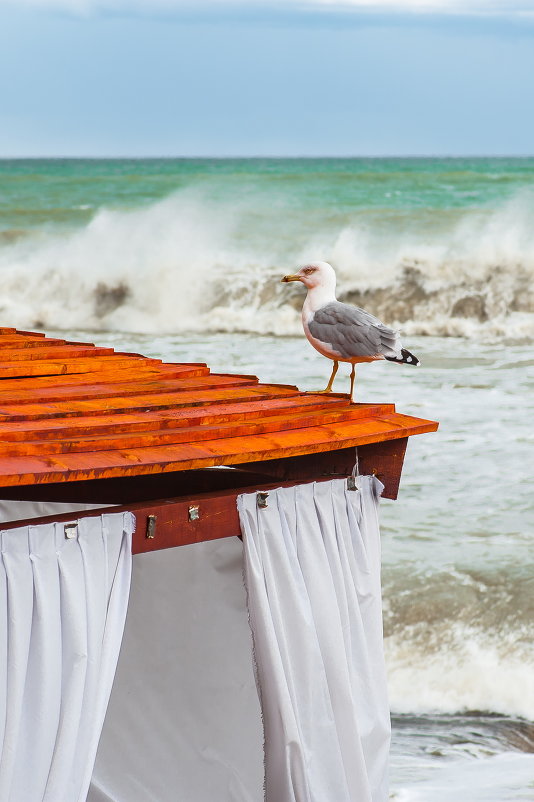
(181, 259)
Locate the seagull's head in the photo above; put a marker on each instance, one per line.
(315, 274)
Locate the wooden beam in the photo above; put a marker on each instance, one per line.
(208, 453)
(384, 460)
(217, 518)
(125, 491)
(197, 517)
(167, 523)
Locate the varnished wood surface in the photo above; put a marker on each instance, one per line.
(217, 517)
(75, 412)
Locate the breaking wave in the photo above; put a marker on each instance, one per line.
(191, 262)
(461, 641)
(460, 669)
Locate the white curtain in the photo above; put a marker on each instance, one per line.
(312, 571)
(184, 721)
(62, 610)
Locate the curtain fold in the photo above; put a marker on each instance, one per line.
(62, 612)
(312, 573)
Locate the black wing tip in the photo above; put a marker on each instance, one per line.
(406, 358)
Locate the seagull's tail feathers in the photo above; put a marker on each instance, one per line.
(405, 358)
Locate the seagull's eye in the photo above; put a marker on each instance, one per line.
(309, 270)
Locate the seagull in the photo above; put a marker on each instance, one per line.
(342, 332)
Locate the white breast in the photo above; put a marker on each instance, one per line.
(324, 348)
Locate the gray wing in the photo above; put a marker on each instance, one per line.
(352, 331)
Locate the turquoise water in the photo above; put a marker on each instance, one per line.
(68, 191)
(441, 247)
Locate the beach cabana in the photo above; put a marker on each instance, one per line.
(105, 455)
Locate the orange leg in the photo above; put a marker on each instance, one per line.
(352, 378)
(328, 388)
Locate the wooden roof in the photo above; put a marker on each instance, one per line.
(72, 411)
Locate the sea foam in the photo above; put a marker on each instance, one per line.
(460, 637)
(190, 263)
(464, 669)
(506, 777)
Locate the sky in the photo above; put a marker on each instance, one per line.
(287, 78)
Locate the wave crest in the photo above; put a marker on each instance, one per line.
(460, 640)
(459, 669)
(193, 263)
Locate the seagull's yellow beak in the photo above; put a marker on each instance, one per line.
(294, 277)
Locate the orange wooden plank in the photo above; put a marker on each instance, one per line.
(26, 333)
(52, 367)
(243, 410)
(71, 411)
(35, 341)
(143, 386)
(35, 384)
(138, 403)
(58, 352)
(235, 450)
(184, 434)
(19, 341)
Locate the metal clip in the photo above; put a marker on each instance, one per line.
(151, 526)
(351, 483)
(71, 530)
(194, 512)
(351, 480)
(261, 499)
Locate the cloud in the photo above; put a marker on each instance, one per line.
(429, 6)
(456, 8)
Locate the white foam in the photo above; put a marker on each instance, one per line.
(193, 263)
(500, 778)
(460, 669)
(160, 256)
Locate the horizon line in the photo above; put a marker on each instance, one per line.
(273, 157)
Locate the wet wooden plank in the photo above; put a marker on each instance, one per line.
(71, 412)
(189, 456)
(143, 386)
(34, 384)
(184, 434)
(25, 333)
(59, 352)
(57, 367)
(178, 399)
(19, 341)
(53, 428)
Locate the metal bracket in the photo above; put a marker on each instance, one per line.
(351, 480)
(151, 526)
(194, 512)
(261, 499)
(71, 530)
